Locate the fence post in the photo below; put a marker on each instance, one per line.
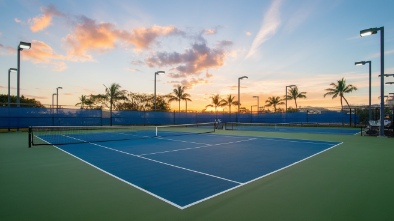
(355, 117)
(307, 116)
(30, 136)
(145, 117)
(101, 113)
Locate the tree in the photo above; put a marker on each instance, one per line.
(230, 101)
(340, 89)
(178, 95)
(273, 101)
(25, 102)
(216, 101)
(83, 100)
(294, 94)
(113, 94)
(143, 102)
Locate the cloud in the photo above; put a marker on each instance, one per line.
(42, 53)
(134, 70)
(270, 24)
(42, 21)
(17, 20)
(89, 35)
(300, 16)
(142, 38)
(189, 83)
(210, 31)
(177, 75)
(192, 61)
(377, 55)
(248, 33)
(35, 97)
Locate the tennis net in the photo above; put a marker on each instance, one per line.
(60, 135)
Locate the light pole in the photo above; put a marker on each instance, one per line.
(9, 71)
(57, 97)
(157, 73)
(22, 45)
(292, 85)
(239, 96)
(369, 105)
(52, 99)
(367, 32)
(258, 105)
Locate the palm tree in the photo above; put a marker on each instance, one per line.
(273, 101)
(294, 94)
(217, 101)
(83, 100)
(339, 90)
(178, 95)
(230, 101)
(113, 94)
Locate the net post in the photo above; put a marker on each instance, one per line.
(156, 132)
(30, 136)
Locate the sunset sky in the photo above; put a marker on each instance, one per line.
(204, 45)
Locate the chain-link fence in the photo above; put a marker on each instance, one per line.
(24, 117)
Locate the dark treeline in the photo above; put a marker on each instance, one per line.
(24, 102)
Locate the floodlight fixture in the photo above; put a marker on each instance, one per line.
(361, 63)
(387, 75)
(369, 31)
(24, 45)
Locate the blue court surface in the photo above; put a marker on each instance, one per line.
(312, 130)
(186, 170)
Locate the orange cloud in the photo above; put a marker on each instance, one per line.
(142, 38)
(42, 53)
(88, 35)
(41, 22)
(189, 83)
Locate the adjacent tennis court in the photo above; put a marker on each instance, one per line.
(181, 170)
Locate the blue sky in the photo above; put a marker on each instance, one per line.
(203, 45)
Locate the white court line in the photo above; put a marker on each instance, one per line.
(162, 138)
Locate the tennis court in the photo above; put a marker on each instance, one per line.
(312, 128)
(183, 170)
